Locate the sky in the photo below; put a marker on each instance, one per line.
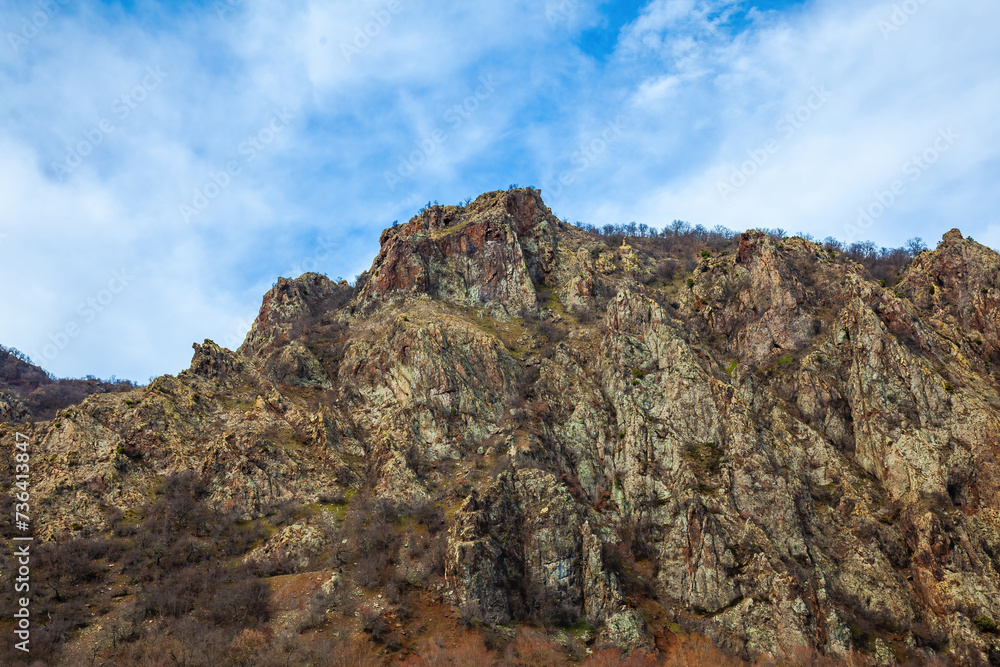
(162, 164)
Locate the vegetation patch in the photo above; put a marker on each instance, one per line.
(705, 459)
(986, 624)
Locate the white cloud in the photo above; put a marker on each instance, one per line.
(690, 95)
(889, 98)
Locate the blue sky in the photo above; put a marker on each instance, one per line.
(161, 164)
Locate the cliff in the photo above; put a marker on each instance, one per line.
(774, 450)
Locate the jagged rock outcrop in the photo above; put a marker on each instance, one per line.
(489, 252)
(288, 306)
(12, 409)
(775, 450)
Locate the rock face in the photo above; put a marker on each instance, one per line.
(491, 251)
(774, 450)
(12, 409)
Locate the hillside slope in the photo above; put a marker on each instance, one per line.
(28, 393)
(527, 423)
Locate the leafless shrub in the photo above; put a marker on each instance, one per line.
(584, 314)
(373, 538)
(469, 650)
(551, 331)
(316, 611)
(610, 657)
(528, 382)
(470, 614)
(695, 651)
(433, 558)
(244, 602)
(533, 649)
(373, 622)
(544, 606)
(429, 513)
(284, 512)
(332, 497)
(667, 270)
(274, 565)
(246, 648)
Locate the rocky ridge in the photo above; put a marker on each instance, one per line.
(774, 450)
(28, 393)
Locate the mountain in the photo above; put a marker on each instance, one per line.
(28, 393)
(514, 436)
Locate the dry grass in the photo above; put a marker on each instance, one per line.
(533, 649)
(468, 650)
(614, 658)
(697, 650)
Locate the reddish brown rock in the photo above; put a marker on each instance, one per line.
(774, 450)
(490, 251)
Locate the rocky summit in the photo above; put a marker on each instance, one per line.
(523, 435)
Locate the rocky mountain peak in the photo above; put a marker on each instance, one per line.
(213, 362)
(291, 301)
(960, 283)
(952, 235)
(753, 243)
(488, 252)
(787, 447)
(521, 207)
